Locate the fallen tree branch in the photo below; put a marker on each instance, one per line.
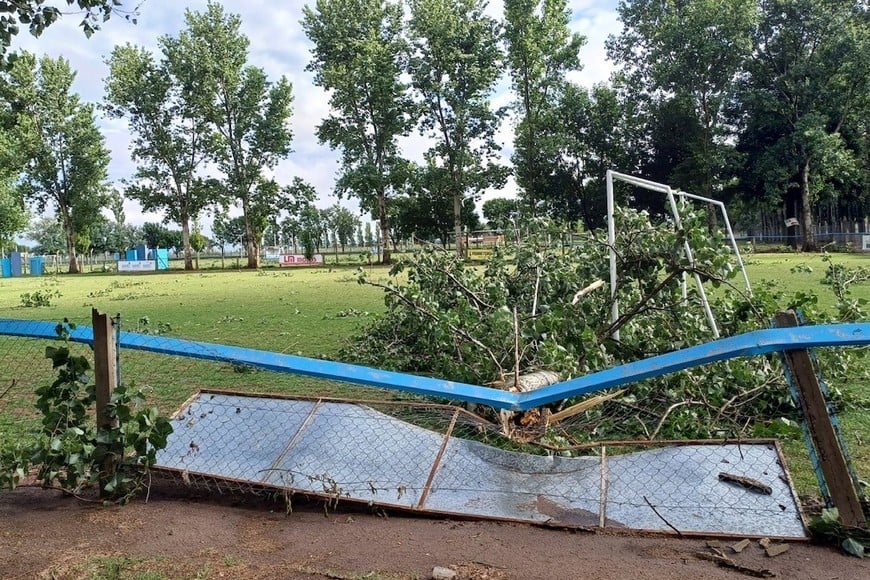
(432, 316)
(727, 562)
(639, 306)
(537, 288)
(668, 412)
(468, 292)
(587, 291)
(746, 482)
(582, 407)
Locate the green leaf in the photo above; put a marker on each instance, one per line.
(831, 515)
(853, 547)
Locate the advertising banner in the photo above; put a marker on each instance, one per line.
(137, 265)
(300, 260)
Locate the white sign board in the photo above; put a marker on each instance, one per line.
(300, 260)
(137, 265)
(865, 243)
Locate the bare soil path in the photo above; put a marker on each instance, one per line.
(179, 534)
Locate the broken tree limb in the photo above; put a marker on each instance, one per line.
(583, 406)
(587, 291)
(746, 482)
(459, 331)
(532, 381)
(727, 562)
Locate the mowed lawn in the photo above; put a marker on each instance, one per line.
(310, 312)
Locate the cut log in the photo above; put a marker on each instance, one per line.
(532, 381)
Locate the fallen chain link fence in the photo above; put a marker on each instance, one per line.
(240, 428)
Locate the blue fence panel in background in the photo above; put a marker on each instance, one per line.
(15, 258)
(37, 266)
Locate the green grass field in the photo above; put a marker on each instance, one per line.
(310, 312)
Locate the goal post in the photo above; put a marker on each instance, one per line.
(671, 194)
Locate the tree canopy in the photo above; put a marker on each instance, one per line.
(66, 156)
(455, 65)
(359, 56)
(161, 101)
(248, 115)
(37, 16)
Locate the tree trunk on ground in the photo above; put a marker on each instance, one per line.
(809, 236)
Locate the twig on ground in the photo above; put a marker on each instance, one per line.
(661, 517)
(746, 482)
(727, 562)
(9, 388)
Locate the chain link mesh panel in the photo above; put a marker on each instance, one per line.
(424, 456)
(24, 368)
(442, 459)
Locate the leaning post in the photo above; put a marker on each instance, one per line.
(105, 381)
(824, 437)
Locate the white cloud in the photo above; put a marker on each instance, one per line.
(279, 45)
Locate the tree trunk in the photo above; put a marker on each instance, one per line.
(252, 246)
(384, 222)
(457, 224)
(71, 248)
(809, 236)
(185, 242)
(70, 239)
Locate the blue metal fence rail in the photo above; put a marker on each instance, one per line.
(750, 344)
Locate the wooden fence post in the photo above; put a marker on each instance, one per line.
(824, 438)
(105, 380)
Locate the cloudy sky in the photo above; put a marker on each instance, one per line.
(280, 47)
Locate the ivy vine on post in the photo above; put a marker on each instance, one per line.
(72, 451)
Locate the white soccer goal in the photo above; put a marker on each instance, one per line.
(675, 212)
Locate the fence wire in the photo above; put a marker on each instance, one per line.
(443, 459)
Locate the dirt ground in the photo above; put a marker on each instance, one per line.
(184, 534)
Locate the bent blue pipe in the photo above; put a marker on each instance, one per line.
(750, 344)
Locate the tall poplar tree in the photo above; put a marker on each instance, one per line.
(456, 64)
(67, 158)
(248, 114)
(161, 101)
(541, 51)
(359, 56)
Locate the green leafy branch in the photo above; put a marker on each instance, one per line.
(72, 451)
